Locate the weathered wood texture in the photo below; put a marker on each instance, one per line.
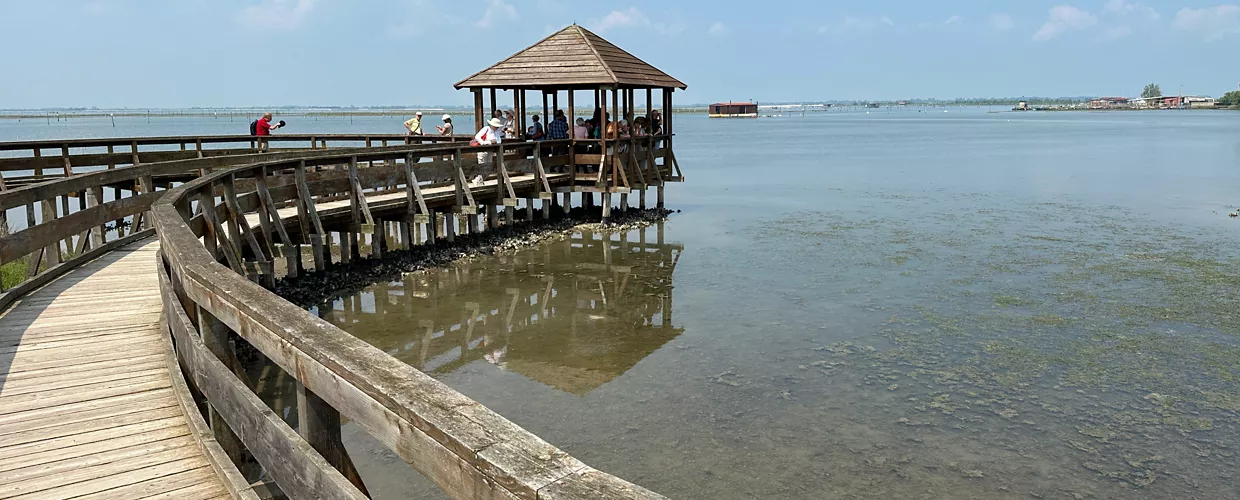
(95, 333)
(87, 404)
(466, 449)
(571, 58)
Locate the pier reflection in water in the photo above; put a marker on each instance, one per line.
(573, 314)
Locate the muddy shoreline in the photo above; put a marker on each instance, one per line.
(317, 288)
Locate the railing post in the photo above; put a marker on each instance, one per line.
(319, 424)
(215, 337)
(94, 196)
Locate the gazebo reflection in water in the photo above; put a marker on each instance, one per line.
(572, 314)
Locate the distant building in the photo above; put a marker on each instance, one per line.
(733, 110)
(1197, 102)
(1109, 103)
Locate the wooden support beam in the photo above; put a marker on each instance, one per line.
(237, 221)
(214, 232)
(319, 240)
(358, 203)
(319, 424)
(378, 240)
(292, 250)
(214, 336)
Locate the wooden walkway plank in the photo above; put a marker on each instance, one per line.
(185, 485)
(138, 398)
(93, 368)
(74, 463)
(90, 449)
(13, 454)
(81, 427)
(59, 397)
(60, 419)
(87, 407)
(111, 476)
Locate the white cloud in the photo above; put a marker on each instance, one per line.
(718, 30)
(619, 19)
(1001, 22)
(496, 11)
(631, 18)
(1124, 8)
(1211, 23)
(1117, 32)
(1063, 18)
(276, 14)
(954, 20)
(852, 24)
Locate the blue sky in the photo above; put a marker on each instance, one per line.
(180, 53)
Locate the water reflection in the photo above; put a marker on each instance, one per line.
(573, 314)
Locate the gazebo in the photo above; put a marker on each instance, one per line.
(575, 60)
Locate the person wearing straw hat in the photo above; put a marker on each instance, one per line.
(413, 127)
(490, 134)
(445, 129)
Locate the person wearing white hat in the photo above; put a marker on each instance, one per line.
(445, 129)
(413, 126)
(490, 134)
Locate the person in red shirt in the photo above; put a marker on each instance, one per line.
(264, 125)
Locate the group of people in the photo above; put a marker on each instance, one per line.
(504, 125)
(413, 126)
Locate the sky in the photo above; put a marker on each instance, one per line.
(185, 53)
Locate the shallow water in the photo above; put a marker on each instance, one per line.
(891, 305)
(886, 306)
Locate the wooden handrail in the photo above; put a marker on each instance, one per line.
(212, 139)
(469, 451)
(465, 448)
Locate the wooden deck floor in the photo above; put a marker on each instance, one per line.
(87, 408)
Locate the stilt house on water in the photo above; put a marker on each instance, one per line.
(565, 64)
(733, 110)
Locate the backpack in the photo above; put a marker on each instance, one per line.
(254, 127)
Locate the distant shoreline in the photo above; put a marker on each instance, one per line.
(51, 115)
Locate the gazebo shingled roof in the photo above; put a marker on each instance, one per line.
(573, 57)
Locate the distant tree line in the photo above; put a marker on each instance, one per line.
(1230, 99)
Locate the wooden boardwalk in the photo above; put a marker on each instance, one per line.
(87, 405)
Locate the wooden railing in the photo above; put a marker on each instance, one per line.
(224, 224)
(39, 161)
(108, 213)
(214, 259)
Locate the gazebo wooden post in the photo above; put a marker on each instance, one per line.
(649, 144)
(545, 117)
(572, 143)
(478, 107)
(667, 143)
(493, 106)
(519, 112)
(628, 112)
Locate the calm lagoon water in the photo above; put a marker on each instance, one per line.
(889, 305)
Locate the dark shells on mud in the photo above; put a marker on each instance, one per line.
(316, 288)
